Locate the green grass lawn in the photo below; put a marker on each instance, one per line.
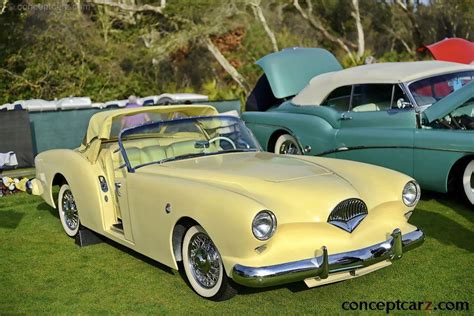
(43, 271)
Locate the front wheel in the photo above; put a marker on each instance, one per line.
(287, 145)
(203, 266)
(468, 181)
(68, 211)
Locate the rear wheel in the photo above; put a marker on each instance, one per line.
(468, 181)
(68, 211)
(203, 266)
(287, 145)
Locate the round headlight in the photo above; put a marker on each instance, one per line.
(411, 193)
(264, 225)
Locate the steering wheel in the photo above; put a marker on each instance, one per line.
(230, 141)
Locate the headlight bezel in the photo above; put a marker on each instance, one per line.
(412, 184)
(271, 232)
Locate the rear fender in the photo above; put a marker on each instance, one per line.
(309, 130)
(82, 177)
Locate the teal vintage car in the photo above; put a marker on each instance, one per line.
(413, 117)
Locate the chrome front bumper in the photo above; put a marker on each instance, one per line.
(320, 267)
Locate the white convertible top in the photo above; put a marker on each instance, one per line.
(320, 86)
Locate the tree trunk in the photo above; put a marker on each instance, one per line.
(398, 37)
(236, 76)
(409, 9)
(320, 27)
(4, 6)
(360, 30)
(257, 10)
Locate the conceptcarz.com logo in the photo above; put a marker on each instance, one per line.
(398, 305)
(47, 6)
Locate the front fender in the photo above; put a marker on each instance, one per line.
(225, 215)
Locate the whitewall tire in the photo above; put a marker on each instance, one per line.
(203, 266)
(287, 145)
(468, 181)
(68, 211)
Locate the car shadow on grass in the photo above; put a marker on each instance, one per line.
(10, 219)
(45, 207)
(137, 255)
(456, 202)
(292, 287)
(443, 229)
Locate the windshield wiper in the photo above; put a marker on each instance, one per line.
(182, 157)
(236, 150)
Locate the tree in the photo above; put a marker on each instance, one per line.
(258, 12)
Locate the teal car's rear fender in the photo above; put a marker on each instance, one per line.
(309, 130)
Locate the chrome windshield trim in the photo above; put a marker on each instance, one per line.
(323, 265)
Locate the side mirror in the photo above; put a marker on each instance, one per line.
(402, 104)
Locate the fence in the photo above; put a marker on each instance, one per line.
(58, 129)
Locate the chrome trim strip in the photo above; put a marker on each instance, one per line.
(321, 266)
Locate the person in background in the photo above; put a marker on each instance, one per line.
(134, 120)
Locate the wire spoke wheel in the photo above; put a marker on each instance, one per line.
(289, 148)
(287, 145)
(204, 260)
(203, 266)
(68, 212)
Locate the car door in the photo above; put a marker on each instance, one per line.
(117, 222)
(379, 128)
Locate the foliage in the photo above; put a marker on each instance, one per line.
(106, 52)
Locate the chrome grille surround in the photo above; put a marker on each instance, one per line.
(348, 214)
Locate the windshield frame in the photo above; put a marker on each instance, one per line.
(131, 169)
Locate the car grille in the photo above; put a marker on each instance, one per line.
(348, 214)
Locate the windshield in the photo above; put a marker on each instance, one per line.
(184, 138)
(430, 90)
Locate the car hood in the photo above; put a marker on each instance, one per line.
(289, 71)
(449, 103)
(454, 49)
(285, 183)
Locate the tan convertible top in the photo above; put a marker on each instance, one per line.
(320, 86)
(100, 123)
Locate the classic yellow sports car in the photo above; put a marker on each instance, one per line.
(184, 184)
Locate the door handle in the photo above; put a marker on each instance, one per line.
(118, 185)
(345, 117)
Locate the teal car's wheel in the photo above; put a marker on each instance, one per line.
(68, 211)
(287, 145)
(203, 266)
(468, 181)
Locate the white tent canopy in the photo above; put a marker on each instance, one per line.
(74, 103)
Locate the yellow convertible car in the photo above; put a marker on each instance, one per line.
(184, 184)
